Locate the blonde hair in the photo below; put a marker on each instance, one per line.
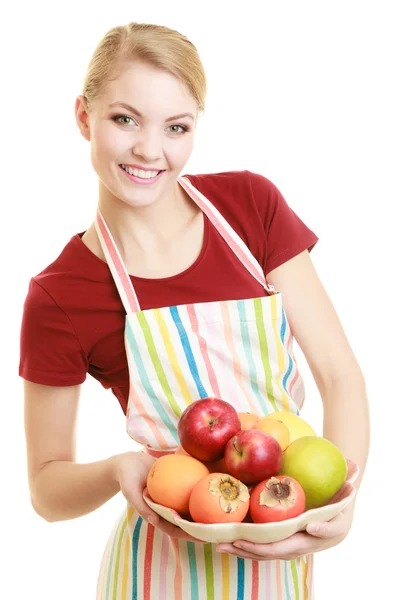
(159, 46)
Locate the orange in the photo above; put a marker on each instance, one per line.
(172, 478)
(247, 419)
(276, 428)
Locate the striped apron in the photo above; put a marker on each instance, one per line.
(239, 350)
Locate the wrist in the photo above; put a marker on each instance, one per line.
(115, 464)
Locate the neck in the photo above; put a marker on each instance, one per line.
(149, 227)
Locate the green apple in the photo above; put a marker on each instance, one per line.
(319, 467)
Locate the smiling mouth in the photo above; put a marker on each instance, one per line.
(140, 172)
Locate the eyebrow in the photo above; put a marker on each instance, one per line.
(138, 114)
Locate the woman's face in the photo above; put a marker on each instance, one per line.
(145, 119)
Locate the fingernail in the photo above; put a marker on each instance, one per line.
(152, 521)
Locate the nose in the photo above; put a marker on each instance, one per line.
(148, 145)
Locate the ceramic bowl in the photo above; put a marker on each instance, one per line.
(262, 532)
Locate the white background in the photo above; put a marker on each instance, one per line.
(305, 93)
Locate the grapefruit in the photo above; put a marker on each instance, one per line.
(297, 426)
(319, 467)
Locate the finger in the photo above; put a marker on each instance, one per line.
(135, 499)
(327, 529)
(299, 543)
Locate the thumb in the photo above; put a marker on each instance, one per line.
(140, 505)
(326, 529)
(151, 516)
(317, 530)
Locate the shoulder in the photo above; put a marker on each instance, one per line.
(240, 193)
(68, 274)
(243, 182)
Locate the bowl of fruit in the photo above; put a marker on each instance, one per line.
(243, 476)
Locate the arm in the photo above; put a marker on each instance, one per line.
(318, 331)
(60, 488)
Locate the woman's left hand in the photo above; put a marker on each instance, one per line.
(317, 537)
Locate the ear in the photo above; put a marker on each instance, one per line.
(82, 116)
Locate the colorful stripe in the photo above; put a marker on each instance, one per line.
(172, 357)
(209, 574)
(194, 584)
(114, 557)
(142, 371)
(135, 544)
(240, 579)
(157, 363)
(148, 555)
(226, 578)
(264, 350)
(228, 331)
(165, 546)
(246, 343)
(278, 581)
(178, 570)
(117, 267)
(188, 351)
(295, 579)
(280, 356)
(254, 580)
(203, 348)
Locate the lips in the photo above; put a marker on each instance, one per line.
(140, 175)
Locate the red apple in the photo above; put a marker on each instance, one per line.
(205, 426)
(252, 455)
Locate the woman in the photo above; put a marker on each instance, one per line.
(169, 296)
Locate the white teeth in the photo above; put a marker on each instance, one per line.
(140, 173)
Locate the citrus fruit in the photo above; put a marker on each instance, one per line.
(275, 427)
(319, 467)
(172, 478)
(296, 425)
(247, 419)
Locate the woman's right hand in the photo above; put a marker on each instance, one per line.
(132, 469)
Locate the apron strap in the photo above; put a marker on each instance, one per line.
(230, 236)
(117, 267)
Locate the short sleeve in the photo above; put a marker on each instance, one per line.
(286, 234)
(50, 352)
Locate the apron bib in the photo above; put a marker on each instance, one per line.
(237, 350)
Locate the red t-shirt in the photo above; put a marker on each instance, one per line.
(73, 319)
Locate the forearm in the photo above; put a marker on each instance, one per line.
(66, 490)
(346, 419)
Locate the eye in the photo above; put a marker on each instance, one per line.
(126, 117)
(183, 129)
